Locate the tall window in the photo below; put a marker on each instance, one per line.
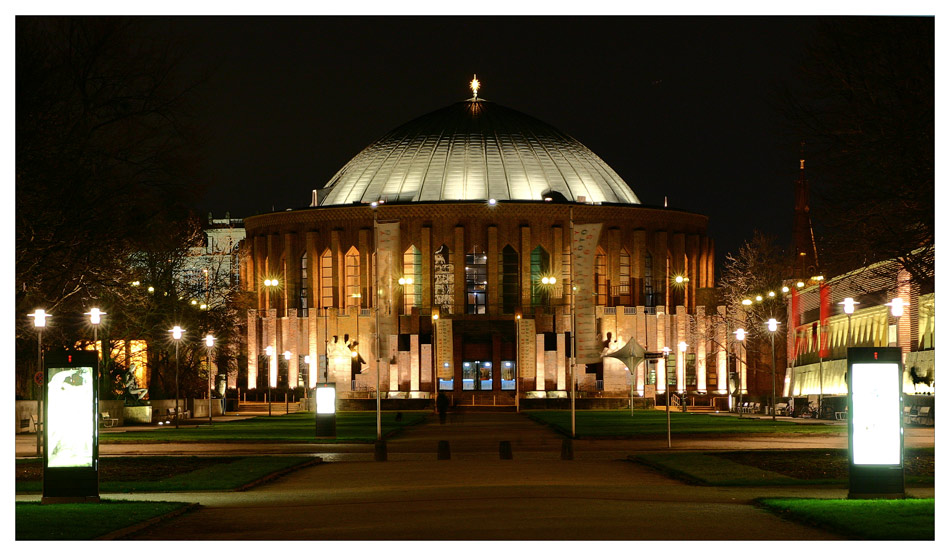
(303, 304)
(411, 271)
(326, 279)
(476, 282)
(540, 265)
(649, 299)
(626, 295)
(352, 290)
(600, 277)
(509, 280)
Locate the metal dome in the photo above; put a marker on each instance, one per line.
(475, 150)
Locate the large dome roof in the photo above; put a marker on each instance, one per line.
(475, 150)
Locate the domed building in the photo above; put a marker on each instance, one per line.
(475, 239)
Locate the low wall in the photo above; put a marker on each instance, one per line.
(200, 407)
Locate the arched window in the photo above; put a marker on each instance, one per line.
(411, 279)
(600, 277)
(326, 279)
(476, 282)
(303, 304)
(352, 290)
(443, 272)
(624, 291)
(509, 280)
(540, 268)
(649, 297)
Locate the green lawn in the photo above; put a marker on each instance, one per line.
(776, 467)
(189, 473)
(35, 521)
(861, 519)
(619, 424)
(351, 426)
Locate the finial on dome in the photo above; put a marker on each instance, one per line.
(474, 85)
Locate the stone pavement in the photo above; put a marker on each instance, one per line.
(476, 495)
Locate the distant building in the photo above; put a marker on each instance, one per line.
(215, 265)
(820, 331)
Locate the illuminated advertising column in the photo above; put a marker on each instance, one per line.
(326, 410)
(875, 432)
(71, 434)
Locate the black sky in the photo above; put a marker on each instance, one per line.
(678, 106)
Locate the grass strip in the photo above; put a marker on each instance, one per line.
(228, 475)
(35, 521)
(708, 470)
(909, 519)
(351, 426)
(652, 423)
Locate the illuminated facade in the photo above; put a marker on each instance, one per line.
(821, 331)
(452, 236)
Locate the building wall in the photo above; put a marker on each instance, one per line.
(675, 240)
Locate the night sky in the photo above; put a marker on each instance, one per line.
(680, 107)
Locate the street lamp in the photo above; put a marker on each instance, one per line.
(773, 327)
(897, 310)
(740, 337)
(270, 354)
(176, 335)
(849, 304)
(287, 356)
(666, 354)
(435, 361)
(682, 348)
(209, 343)
(39, 322)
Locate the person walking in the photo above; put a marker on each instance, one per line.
(442, 405)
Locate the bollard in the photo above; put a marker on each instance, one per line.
(567, 449)
(444, 450)
(379, 450)
(504, 449)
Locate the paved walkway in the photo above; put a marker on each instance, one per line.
(476, 495)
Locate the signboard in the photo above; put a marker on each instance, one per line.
(527, 348)
(875, 432)
(71, 434)
(443, 354)
(584, 248)
(325, 395)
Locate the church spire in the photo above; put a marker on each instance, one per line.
(803, 235)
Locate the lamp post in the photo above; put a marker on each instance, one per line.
(682, 347)
(773, 327)
(897, 310)
(287, 356)
(270, 354)
(666, 354)
(849, 304)
(39, 322)
(435, 362)
(518, 363)
(740, 337)
(209, 343)
(176, 336)
(95, 317)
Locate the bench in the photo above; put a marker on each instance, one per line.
(841, 415)
(106, 420)
(170, 413)
(35, 424)
(923, 416)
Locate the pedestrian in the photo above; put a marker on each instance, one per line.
(442, 405)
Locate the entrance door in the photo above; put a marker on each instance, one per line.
(476, 375)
